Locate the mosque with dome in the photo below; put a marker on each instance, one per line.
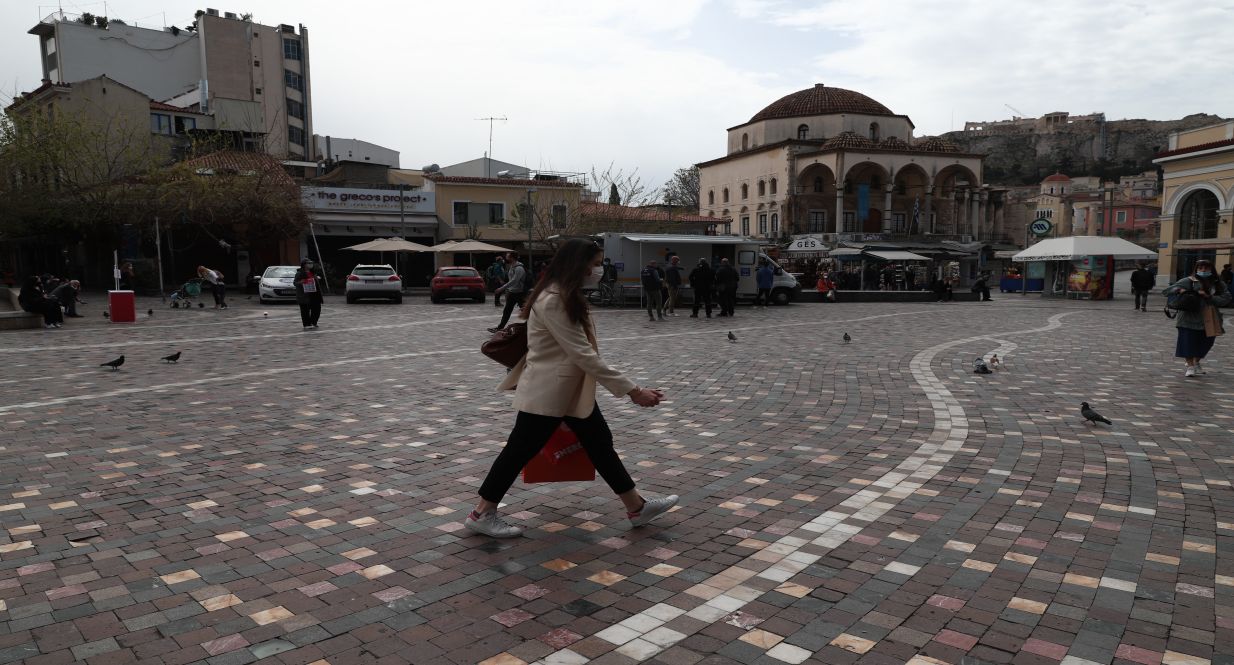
(826, 160)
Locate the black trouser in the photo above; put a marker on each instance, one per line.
(70, 307)
(702, 297)
(532, 431)
(728, 300)
(763, 297)
(310, 311)
(50, 309)
(512, 300)
(985, 293)
(220, 292)
(1141, 298)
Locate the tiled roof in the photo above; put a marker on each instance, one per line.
(936, 144)
(848, 140)
(821, 100)
(510, 182)
(1058, 177)
(243, 163)
(893, 143)
(160, 106)
(1195, 148)
(629, 213)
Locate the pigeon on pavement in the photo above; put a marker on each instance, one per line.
(150, 312)
(979, 367)
(115, 364)
(1092, 416)
(995, 363)
(847, 339)
(175, 357)
(731, 336)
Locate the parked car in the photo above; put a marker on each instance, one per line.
(372, 281)
(277, 284)
(457, 282)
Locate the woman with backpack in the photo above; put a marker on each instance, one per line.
(1197, 298)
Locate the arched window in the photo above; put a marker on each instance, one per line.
(745, 191)
(773, 186)
(745, 141)
(818, 183)
(874, 131)
(1199, 216)
(762, 188)
(725, 193)
(803, 132)
(775, 224)
(711, 197)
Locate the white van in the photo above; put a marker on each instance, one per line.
(631, 251)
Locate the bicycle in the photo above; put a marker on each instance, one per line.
(605, 295)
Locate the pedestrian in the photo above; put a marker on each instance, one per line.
(826, 288)
(765, 278)
(701, 282)
(910, 279)
(67, 294)
(215, 279)
(1141, 282)
(496, 277)
(652, 296)
(555, 382)
(32, 299)
(128, 277)
(1227, 276)
(726, 280)
(308, 294)
(1198, 329)
(982, 286)
(515, 288)
(672, 277)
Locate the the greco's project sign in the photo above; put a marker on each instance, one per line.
(344, 199)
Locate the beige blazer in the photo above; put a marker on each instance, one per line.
(558, 376)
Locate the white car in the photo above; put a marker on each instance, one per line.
(372, 281)
(277, 284)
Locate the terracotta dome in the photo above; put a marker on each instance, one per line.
(936, 144)
(848, 141)
(821, 100)
(893, 143)
(1058, 177)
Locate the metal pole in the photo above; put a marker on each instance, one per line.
(115, 269)
(158, 244)
(402, 227)
(531, 217)
(324, 280)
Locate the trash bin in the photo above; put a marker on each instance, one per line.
(123, 306)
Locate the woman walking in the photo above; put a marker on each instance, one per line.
(556, 381)
(308, 294)
(1198, 329)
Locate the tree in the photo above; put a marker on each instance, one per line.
(614, 197)
(682, 189)
(630, 189)
(553, 216)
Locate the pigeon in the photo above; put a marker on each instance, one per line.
(847, 339)
(979, 367)
(731, 336)
(175, 357)
(995, 363)
(265, 313)
(1092, 416)
(115, 364)
(150, 312)
(106, 315)
(201, 305)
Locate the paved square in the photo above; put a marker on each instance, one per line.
(298, 496)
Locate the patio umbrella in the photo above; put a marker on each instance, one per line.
(468, 246)
(383, 245)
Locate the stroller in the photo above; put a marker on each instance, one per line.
(183, 296)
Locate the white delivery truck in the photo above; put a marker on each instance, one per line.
(630, 252)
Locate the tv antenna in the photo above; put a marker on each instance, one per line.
(489, 155)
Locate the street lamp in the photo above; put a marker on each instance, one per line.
(530, 221)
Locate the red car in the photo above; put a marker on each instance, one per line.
(457, 282)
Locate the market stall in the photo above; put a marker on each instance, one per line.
(1082, 266)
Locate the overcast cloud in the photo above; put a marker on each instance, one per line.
(653, 84)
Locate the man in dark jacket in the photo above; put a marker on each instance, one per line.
(672, 277)
(1142, 281)
(766, 278)
(308, 293)
(726, 287)
(701, 281)
(68, 296)
(652, 283)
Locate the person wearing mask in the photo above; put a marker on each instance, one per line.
(701, 282)
(726, 280)
(1199, 329)
(496, 277)
(515, 288)
(308, 293)
(67, 295)
(672, 277)
(215, 279)
(555, 382)
(652, 296)
(765, 277)
(1142, 282)
(32, 299)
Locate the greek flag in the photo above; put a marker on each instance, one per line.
(915, 227)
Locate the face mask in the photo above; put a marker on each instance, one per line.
(308, 266)
(592, 280)
(1204, 274)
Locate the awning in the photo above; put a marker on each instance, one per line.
(690, 240)
(1077, 247)
(845, 251)
(889, 255)
(1006, 253)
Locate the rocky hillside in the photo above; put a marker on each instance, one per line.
(1110, 149)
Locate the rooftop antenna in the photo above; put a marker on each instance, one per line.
(488, 158)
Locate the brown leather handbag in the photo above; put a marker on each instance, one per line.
(508, 345)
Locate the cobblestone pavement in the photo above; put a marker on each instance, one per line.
(298, 496)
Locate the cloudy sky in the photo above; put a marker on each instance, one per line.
(653, 84)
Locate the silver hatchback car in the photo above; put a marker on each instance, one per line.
(374, 281)
(277, 284)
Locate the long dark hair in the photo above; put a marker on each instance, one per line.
(566, 272)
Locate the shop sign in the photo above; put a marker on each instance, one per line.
(346, 199)
(1040, 226)
(806, 244)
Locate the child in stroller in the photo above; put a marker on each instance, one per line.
(184, 295)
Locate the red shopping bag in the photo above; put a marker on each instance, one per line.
(562, 459)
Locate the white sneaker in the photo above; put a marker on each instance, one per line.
(1190, 372)
(652, 508)
(491, 524)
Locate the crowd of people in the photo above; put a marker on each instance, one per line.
(51, 297)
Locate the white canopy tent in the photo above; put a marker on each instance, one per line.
(896, 255)
(1078, 247)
